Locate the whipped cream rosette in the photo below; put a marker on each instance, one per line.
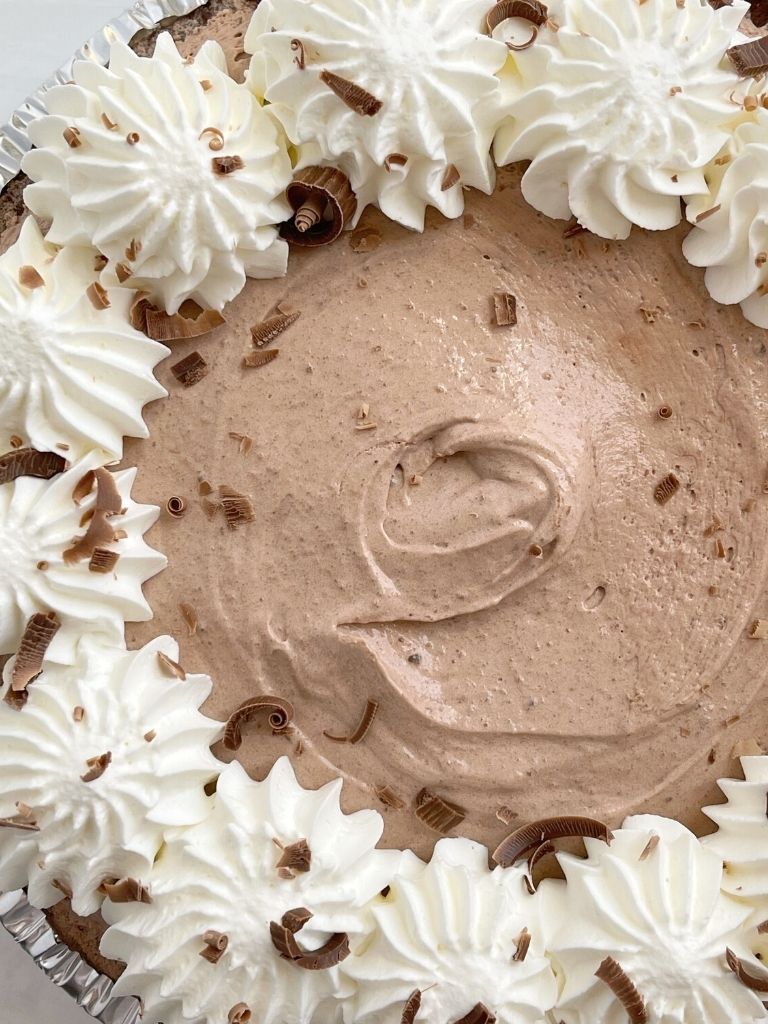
(648, 914)
(267, 849)
(74, 375)
(62, 552)
(401, 96)
(170, 169)
(620, 106)
(101, 818)
(458, 934)
(730, 233)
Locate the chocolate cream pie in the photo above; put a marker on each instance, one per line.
(466, 509)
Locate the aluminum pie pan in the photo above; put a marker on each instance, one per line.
(27, 925)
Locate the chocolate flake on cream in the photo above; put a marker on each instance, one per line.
(108, 503)
(41, 628)
(227, 164)
(411, 1008)
(215, 946)
(395, 160)
(103, 560)
(190, 617)
(542, 850)
(72, 137)
(283, 935)
(504, 309)
(437, 813)
(280, 716)
(216, 141)
(750, 59)
(451, 177)
(296, 856)
(612, 973)
(108, 124)
(30, 462)
(529, 10)
(171, 667)
(237, 507)
(97, 766)
(267, 330)
(126, 890)
(133, 138)
(78, 713)
(523, 944)
(479, 1014)
(707, 213)
(356, 98)
(29, 277)
(361, 730)
(300, 59)
(260, 358)
(239, 1014)
(122, 272)
(23, 826)
(525, 839)
(666, 488)
(190, 370)
(650, 846)
(98, 295)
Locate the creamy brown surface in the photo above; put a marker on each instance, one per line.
(595, 678)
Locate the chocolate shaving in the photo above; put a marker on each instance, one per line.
(269, 329)
(176, 506)
(215, 946)
(523, 944)
(323, 203)
(126, 890)
(762, 928)
(108, 124)
(707, 213)
(170, 667)
(300, 59)
(479, 1014)
(752, 982)
(97, 766)
(190, 617)
(650, 846)
(750, 59)
(542, 850)
(72, 137)
(612, 973)
(149, 736)
(437, 813)
(238, 509)
(98, 295)
(216, 141)
(78, 713)
(122, 272)
(191, 321)
(107, 495)
(451, 177)
(227, 164)
(103, 561)
(504, 309)
(296, 856)
(99, 262)
(108, 503)
(356, 98)
(389, 797)
(330, 954)
(758, 629)
(395, 160)
(23, 826)
(260, 358)
(30, 278)
(525, 839)
(280, 715)
(411, 1008)
(528, 10)
(190, 370)
(758, 13)
(30, 462)
(239, 1014)
(40, 629)
(133, 250)
(133, 138)
(365, 723)
(666, 489)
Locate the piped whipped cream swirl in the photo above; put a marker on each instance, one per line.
(172, 170)
(223, 876)
(651, 901)
(451, 929)
(71, 374)
(109, 828)
(39, 522)
(426, 63)
(619, 106)
(730, 233)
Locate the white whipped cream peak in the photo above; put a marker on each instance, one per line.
(662, 917)
(113, 826)
(620, 109)
(731, 241)
(429, 64)
(158, 207)
(450, 929)
(39, 520)
(741, 840)
(222, 875)
(70, 374)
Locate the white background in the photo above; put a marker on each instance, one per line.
(36, 37)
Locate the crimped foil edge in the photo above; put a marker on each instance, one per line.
(144, 14)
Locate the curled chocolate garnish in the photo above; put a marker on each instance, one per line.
(758, 629)
(132, 138)
(171, 667)
(395, 160)
(16, 441)
(216, 141)
(542, 850)
(664, 412)
(30, 278)
(356, 98)
(126, 890)
(269, 329)
(260, 358)
(326, 202)
(98, 295)
(237, 507)
(523, 944)
(650, 846)
(24, 826)
(300, 59)
(122, 272)
(296, 856)
(451, 177)
(750, 59)
(108, 124)
(437, 813)
(40, 629)
(239, 1014)
(283, 935)
(504, 309)
(108, 503)
(707, 213)
(191, 321)
(361, 730)
(176, 506)
(190, 617)
(280, 715)
(30, 462)
(525, 839)
(411, 1008)
(190, 370)
(99, 262)
(103, 560)
(389, 797)
(528, 10)
(227, 164)
(133, 250)
(215, 946)
(749, 980)
(762, 928)
(97, 766)
(666, 488)
(72, 137)
(479, 1014)
(612, 973)
(107, 495)
(245, 442)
